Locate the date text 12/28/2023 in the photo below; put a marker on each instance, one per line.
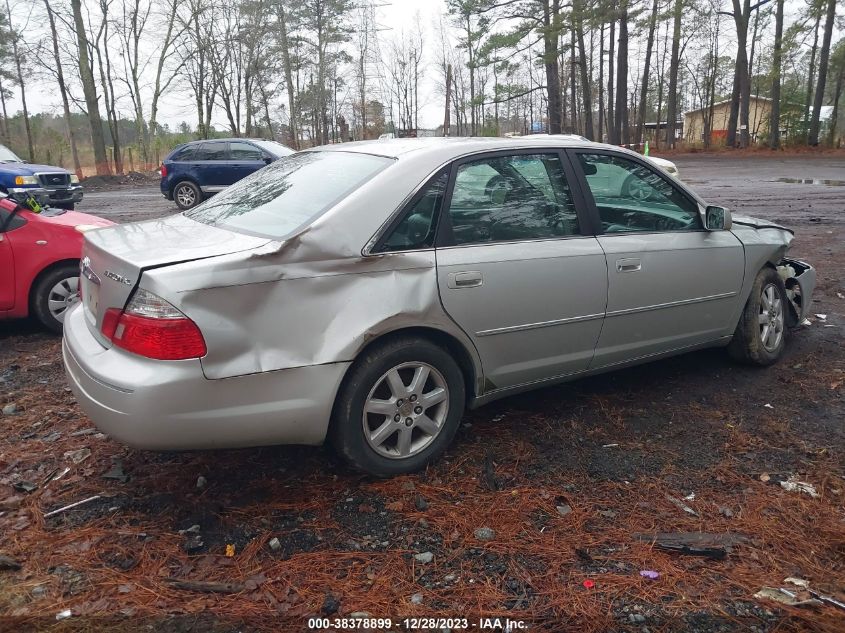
(418, 623)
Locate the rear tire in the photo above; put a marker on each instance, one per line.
(760, 336)
(186, 195)
(399, 407)
(54, 294)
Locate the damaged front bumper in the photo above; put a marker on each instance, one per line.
(799, 279)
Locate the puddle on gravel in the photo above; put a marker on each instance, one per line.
(813, 181)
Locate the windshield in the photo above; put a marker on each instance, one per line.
(288, 194)
(8, 156)
(277, 149)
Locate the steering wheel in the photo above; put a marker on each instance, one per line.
(497, 189)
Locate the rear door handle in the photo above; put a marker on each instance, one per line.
(629, 265)
(467, 279)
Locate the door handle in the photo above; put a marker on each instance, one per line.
(629, 265)
(468, 279)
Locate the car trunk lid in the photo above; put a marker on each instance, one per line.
(114, 258)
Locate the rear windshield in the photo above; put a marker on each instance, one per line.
(288, 194)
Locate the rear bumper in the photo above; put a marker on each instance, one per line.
(167, 405)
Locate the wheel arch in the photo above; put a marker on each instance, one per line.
(42, 273)
(470, 368)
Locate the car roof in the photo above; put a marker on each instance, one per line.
(225, 140)
(452, 147)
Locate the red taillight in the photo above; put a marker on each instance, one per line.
(153, 328)
(163, 170)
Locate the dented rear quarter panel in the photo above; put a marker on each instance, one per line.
(313, 298)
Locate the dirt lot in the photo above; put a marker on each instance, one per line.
(566, 478)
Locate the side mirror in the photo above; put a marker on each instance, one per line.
(268, 160)
(717, 218)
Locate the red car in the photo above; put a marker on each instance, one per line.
(39, 261)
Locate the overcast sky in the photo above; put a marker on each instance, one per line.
(177, 106)
(394, 16)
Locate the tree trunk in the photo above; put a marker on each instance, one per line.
(600, 131)
(586, 95)
(89, 88)
(777, 62)
(811, 76)
(446, 123)
(17, 55)
(622, 131)
(60, 76)
(108, 88)
(652, 24)
(158, 89)
(837, 95)
(611, 115)
(550, 59)
(824, 58)
(4, 131)
(674, 63)
(293, 123)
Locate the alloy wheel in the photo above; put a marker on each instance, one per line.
(771, 317)
(405, 410)
(186, 196)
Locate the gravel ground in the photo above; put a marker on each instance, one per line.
(565, 478)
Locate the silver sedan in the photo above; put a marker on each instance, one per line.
(367, 293)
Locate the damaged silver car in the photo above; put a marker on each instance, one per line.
(367, 293)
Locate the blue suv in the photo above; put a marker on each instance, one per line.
(198, 169)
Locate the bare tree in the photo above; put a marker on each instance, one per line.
(824, 57)
(18, 55)
(89, 87)
(60, 78)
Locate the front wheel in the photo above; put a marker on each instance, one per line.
(760, 336)
(54, 294)
(399, 408)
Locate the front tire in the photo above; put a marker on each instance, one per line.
(186, 195)
(760, 336)
(54, 294)
(399, 407)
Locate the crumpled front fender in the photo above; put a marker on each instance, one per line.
(799, 279)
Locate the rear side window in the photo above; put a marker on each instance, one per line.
(238, 150)
(418, 227)
(211, 151)
(290, 193)
(185, 153)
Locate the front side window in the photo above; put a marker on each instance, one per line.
(238, 150)
(418, 227)
(506, 198)
(288, 194)
(632, 197)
